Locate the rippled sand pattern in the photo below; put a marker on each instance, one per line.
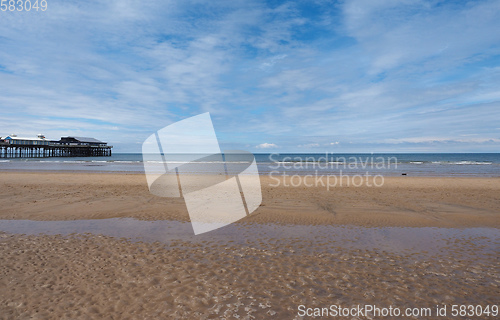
(88, 276)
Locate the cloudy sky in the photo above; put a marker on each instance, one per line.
(276, 76)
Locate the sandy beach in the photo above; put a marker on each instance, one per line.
(265, 275)
(401, 201)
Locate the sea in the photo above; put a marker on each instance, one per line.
(386, 164)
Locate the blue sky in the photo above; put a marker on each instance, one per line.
(276, 76)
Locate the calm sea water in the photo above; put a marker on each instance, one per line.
(389, 164)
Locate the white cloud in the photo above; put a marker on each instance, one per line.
(271, 62)
(442, 140)
(397, 33)
(309, 145)
(266, 146)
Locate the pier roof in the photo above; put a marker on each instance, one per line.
(25, 138)
(84, 139)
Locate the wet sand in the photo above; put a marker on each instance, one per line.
(282, 256)
(81, 277)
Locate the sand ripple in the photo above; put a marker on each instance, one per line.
(87, 276)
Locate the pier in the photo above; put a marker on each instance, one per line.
(39, 147)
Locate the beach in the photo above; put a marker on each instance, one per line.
(401, 201)
(414, 242)
(249, 160)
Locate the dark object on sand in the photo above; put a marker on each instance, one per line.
(403, 174)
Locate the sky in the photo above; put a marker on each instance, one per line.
(276, 76)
